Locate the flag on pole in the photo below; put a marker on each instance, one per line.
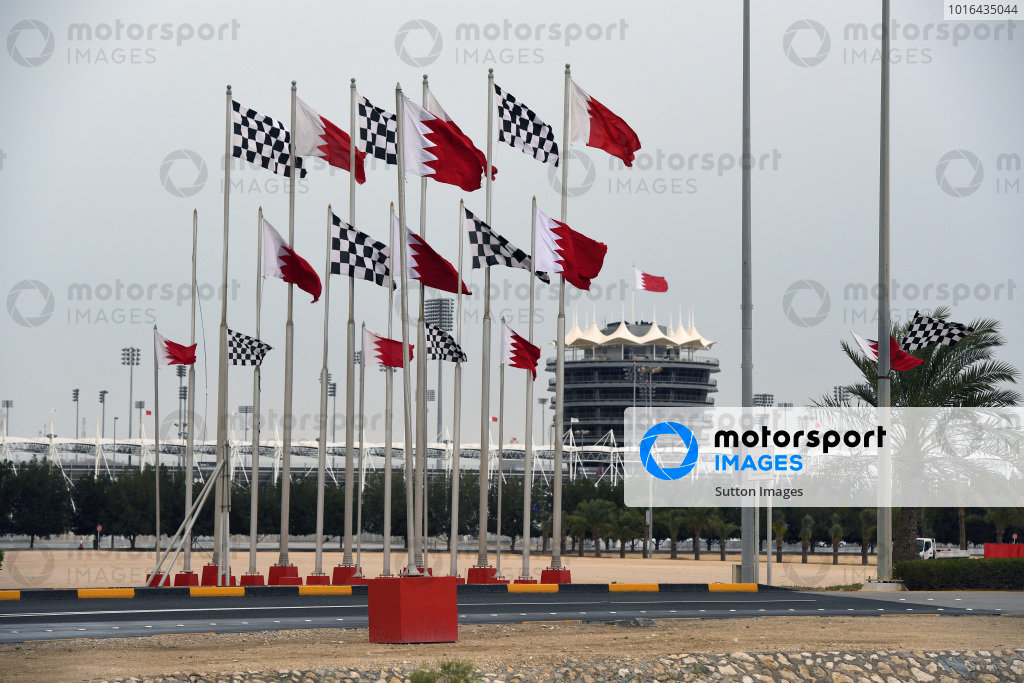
(385, 351)
(262, 141)
(650, 283)
(925, 331)
(434, 147)
(516, 352)
(170, 353)
(491, 249)
(378, 132)
(358, 255)
(560, 249)
(281, 261)
(521, 128)
(426, 265)
(595, 125)
(900, 360)
(442, 346)
(315, 136)
(245, 350)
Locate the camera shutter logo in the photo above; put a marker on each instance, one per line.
(824, 43)
(589, 174)
(959, 156)
(183, 190)
(668, 473)
(415, 26)
(19, 29)
(824, 303)
(18, 303)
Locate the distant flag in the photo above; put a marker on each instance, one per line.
(650, 283)
(595, 125)
(383, 350)
(426, 265)
(900, 361)
(442, 346)
(493, 419)
(520, 127)
(436, 149)
(315, 136)
(245, 350)
(573, 420)
(170, 353)
(262, 141)
(491, 249)
(560, 249)
(378, 132)
(281, 261)
(516, 352)
(925, 331)
(357, 255)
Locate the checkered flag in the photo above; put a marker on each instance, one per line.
(520, 127)
(245, 350)
(358, 255)
(262, 141)
(491, 249)
(378, 132)
(441, 346)
(925, 331)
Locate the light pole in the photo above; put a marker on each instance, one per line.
(130, 356)
(115, 443)
(140, 406)
(74, 398)
(182, 372)
(245, 410)
(543, 401)
(103, 413)
(439, 313)
(650, 371)
(332, 393)
(182, 424)
(7, 405)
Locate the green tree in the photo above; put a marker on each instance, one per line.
(696, 520)
(625, 525)
(131, 505)
(673, 520)
(806, 536)
(966, 375)
(836, 533)
(91, 496)
(1001, 518)
(41, 505)
(7, 491)
(722, 530)
(779, 528)
(592, 516)
(868, 519)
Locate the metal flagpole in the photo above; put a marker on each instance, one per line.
(406, 379)
(457, 409)
(501, 453)
(220, 558)
(362, 446)
(350, 341)
(556, 510)
(485, 365)
(421, 389)
(388, 410)
(884, 559)
(254, 480)
(289, 349)
(156, 442)
(528, 455)
(748, 516)
(321, 456)
(190, 418)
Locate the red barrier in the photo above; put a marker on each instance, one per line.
(318, 580)
(348, 575)
(481, 575)
(277, 573)
(555, 576)
(252, 579)
(186, 579)
(209, 577)
(153, 580)
(1004, 550)
(413, 609)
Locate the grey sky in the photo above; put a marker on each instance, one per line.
(87, 131)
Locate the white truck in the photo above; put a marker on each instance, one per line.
(926, 550)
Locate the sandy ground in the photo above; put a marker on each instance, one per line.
(43, 568)
(510, 645)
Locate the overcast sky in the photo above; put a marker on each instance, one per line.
(113, 132)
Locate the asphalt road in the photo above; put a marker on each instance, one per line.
(29, 620)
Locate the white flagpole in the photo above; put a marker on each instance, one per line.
(501, 453)
(362, 445)
(485, 365)
(254, 480)
(350, 341)
(528, 455)
(321, 457)
(421, 390)
(457, 410)
(156, 444)
(190, 417)
(289, 350)
(406, 379)
(221, 544)
(388, 410)
(632, 305)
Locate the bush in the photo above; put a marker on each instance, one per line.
(451, 671)
(954, 574)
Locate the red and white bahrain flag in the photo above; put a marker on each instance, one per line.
(385, 351)
(901, 360)
(170, 353)
(595, 125)
(516, 352)
(435, 147)
(650, 283)
(315, 136)
(560, 249)
(426, 265)
(280, 260)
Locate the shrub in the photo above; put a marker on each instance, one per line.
(954, 574)
(451, 671)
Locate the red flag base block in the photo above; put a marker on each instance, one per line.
(525, 581)
(555, 576)
(186, 579)
(318, 580)
(481, 575)
(252, 579)
(210, 576)
(283, 575)
(414, 609)
(153, 580)
(348, 575)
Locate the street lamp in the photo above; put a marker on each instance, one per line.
(7, 405)
(181, 371)
(74, 399)
(650, 371)
(115, 443)
(140, 406)
(440, 313)
(181, 424)
(245, 410)
(543, 401)
(103, 413)
(332, 393)
(130, 356)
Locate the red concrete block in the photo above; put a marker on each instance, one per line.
(252, 579)
(186, 579)
(277, 572)
(525, 581)
(347, 576)
(209, 577)
(413, 609)
(153, 580)
(555, 576)
(481, 575)
(318, 580)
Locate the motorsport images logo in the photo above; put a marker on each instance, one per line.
(30, 303)
(668, 473)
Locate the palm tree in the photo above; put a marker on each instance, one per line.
(592, 516)
(1001, 518)
(697, 519)
(672, 519)
(722, 530)
(966, 375)
(868, 520)
(806, 535)
(836, 531)
(624, 526)
(779, 528)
